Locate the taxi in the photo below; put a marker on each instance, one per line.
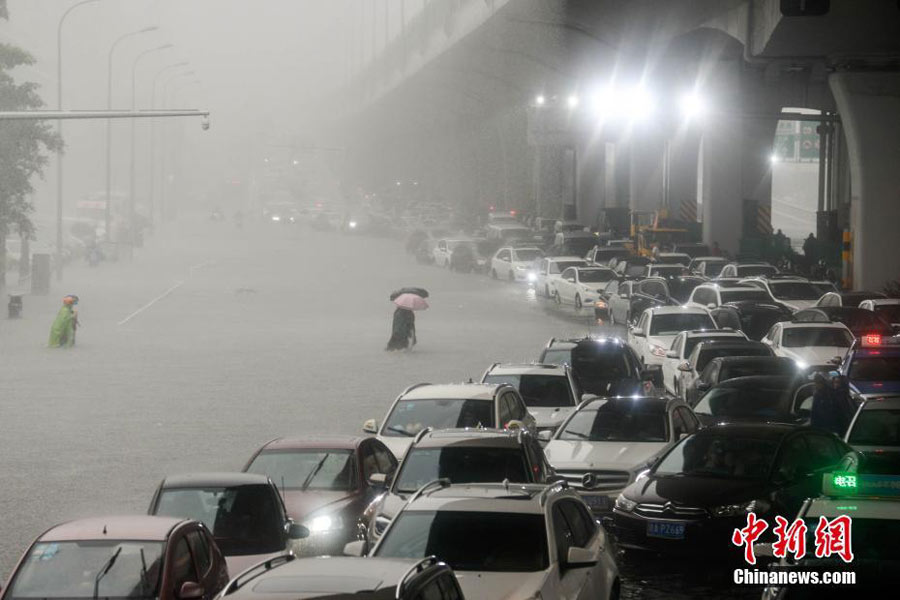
(872, 366)
(875, 432)
(872, 503)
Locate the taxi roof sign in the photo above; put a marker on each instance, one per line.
(844, 483)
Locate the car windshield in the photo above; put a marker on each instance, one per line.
(462, 464)
(754, 270)
(245, 519)
(691, 342)
(470, 541)
(314, 468)
(538, 390)
(745, 403)
(557, 356)
(720, 455)
(748, 294)
(617, 422)
(674, 260)
(712, 269)
(889, 312)
(409, 417)
(794, 290)
(657, 289)
(801, 337)
(880, 427)
(562, 265)
(595, 275)
(863, 321)
(70, 570)
(681, 288)
(875, 368)
(674, 323)
(667, 270)
(768, 367)
(707, 354)
(528, 254)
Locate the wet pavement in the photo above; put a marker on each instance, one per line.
(215, 340)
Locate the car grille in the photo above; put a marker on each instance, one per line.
(602, 480)
(669, 511)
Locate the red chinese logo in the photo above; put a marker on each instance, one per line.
(790, 538)
(749, 534)
(831, 537)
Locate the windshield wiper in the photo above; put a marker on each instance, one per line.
(577, 434)
(145, 577)
(104, 570)
(314, 472)
(401, 430)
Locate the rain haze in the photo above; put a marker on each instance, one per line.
(338, 199)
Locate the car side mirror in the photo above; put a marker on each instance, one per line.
(653, 374)
(378, 480)
(671, 354)
(711, 305)
(638, 333)
(545, 435)
(580, 558)
(370, 426)
(296, 531)
(357, 548)
(191, 590)
(684, 366)
(836, 360)
(703, 385)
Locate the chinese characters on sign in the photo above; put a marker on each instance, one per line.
(832, 537)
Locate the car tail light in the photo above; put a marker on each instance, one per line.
(872, 339)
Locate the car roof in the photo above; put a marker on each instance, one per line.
(528, 369)
(347, 442)
(882, 301)
(763, 430)
(837, 310)
(856, 507)
(130, 527)
(520, 498)
(754, 359)
(565, 258)
(725, 333)
(758, 380)
(470, 436)
(461, 391)
(887, 402)
(813, 324)
(646, 403)
(670, 310)
(212, 479)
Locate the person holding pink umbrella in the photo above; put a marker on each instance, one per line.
(403, 331)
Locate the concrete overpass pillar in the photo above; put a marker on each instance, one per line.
(684, 154)
(646, 180)
(591, 182)
(554, 181)
(869, 105)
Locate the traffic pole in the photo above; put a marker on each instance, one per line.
(846, 262)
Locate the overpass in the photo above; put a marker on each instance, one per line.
(565, 108)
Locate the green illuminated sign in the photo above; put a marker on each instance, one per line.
(844, 481)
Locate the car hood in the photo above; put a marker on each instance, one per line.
(876, 387)
(814, 355)
(397, 445)
(550, 417)
(500, 586)
(239, 564)
(575, 454)
(661, 340)
(302, 504)
(694, 491)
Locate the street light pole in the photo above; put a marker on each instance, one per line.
(163, 187)
(131, 202)
(59, 153)
(109, 69)
(153, 137)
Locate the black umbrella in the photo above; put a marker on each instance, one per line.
(422, 292)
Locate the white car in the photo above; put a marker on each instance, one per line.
(741, 270)
(652, 336)
(602, 447)
(515, 264)
(550, 391)
(809, 344)
(886, 308)
(682, 346)
(581, 286)
(707, 266)
(796, 294)
(712, 295)
(449, 406)
(506, 540)
(673, 258)
(443, 251)
(550, 268)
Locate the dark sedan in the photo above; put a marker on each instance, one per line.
(760, 399)
(697, 494)
(325, 483)
(723, 368)
(609, 367)
(752, 317)
(858, 320)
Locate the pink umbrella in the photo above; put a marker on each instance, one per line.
(411, 302)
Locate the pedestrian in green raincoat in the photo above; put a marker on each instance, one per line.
(62, 332)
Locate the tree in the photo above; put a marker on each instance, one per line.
(23, 149)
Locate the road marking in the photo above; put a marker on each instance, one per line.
(151, 303)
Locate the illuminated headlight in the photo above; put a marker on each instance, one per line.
(801, 365)
(276, 218)
(352, 224)
(736, 510)
(324, 524)
(532, 277)
(624, 504)
(657, 350)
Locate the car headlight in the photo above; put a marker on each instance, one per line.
(324, 524)
(736, 510)
(520, 268)
(532, 277)
(352, 224)
(657, 350)
(801, 365)
(276, 218)
(624, 504)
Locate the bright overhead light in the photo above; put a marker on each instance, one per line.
(692, 105)
(540, 100)
(638, 103)
(773, 158)
(572, 101)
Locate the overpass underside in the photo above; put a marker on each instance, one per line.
(564, 109)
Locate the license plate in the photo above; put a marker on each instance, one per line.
(666, 530)
(597, 502)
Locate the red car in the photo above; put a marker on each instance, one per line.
(106, 557)
(325, 483)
